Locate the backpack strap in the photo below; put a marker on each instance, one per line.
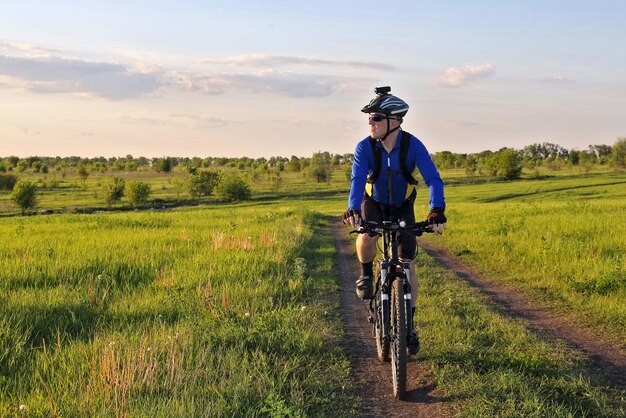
(405, 141)
(404, 153)
(378, 157)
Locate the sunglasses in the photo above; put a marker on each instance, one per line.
(377, 118)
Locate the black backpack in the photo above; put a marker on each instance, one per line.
(404, 151)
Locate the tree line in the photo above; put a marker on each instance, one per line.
(206, 174)
(487, 162)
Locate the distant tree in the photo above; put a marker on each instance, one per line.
(202, 183)
(319, 167)
(471, 165)
(275, 179)
(504, 163)
(347, 171)
(233, 188)
(130, 165)
(13, 160)
(321, 173)
(138, 192)
(294, 164)
(83, 173)
(618, 153)
(163, 165)
(22, 165)
(114, 190)
(444, 159)
(348, 158)
(8, 181)
(335, 159)
(24, 195)
(602, 152)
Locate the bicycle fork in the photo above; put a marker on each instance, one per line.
(379, 309)
(407, 298)
(383, 302)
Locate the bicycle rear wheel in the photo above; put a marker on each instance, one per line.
(382, 345)
(398, 339)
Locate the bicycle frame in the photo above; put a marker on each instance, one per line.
(389, 310)
(389, 269)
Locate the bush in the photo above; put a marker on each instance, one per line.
(83, 173)
(202, 183)
(7, 181)
(321, 173)
(504, 163)
(24, 195)
(618, 153)
(138, 192)
(233, 188)
(114, 190)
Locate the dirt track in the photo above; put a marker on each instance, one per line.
(374, 378)
(603, 358)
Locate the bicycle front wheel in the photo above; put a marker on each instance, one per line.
(398, 339)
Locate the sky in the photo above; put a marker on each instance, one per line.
(263, 78)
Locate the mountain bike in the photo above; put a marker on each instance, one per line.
(390, 308)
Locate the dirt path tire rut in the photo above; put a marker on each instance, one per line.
(373, 378)
(603, 358)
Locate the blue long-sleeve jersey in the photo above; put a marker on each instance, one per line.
(417, 156)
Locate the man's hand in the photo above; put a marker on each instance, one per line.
(352, 217)
(438, 220)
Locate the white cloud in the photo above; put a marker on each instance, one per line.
(198, 122)
(272, 61)
(53, 74)
(461, 76)
(176, 120)
(283, 83)
(46, 71)
(457, 123)
(557, 80)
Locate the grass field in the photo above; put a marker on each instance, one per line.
(562, 240)
(231, 310)
(200, 312)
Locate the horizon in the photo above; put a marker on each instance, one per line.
(275, 156)
(241, 79)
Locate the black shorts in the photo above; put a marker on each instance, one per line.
(371, 210)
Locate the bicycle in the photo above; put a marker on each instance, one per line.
(390, 308)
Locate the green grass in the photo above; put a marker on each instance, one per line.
(232, 310)
(561, 240)
(491, 365)
(198, 312)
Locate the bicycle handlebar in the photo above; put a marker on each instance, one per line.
(371, 227)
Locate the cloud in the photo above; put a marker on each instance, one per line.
(462, 76)
(289, 84)
(273, 61)
(45, 73)
(198, 122)
(557, 80)
(457, 123)
(177, 120)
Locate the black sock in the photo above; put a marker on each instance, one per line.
(366, 269)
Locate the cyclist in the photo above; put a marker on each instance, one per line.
(390, 191)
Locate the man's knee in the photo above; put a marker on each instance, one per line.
(366, 241)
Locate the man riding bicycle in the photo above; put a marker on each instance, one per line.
(382, 188)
